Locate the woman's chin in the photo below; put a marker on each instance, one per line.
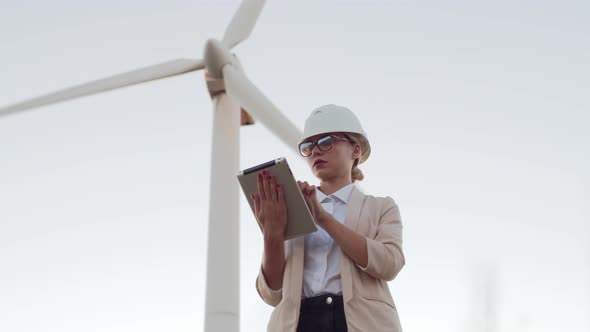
(321, 173)
(317, 172)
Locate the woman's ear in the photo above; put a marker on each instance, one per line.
(356, 152)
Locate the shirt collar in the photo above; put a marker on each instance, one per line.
(342, 194)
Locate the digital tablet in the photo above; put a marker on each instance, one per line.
(299, 218)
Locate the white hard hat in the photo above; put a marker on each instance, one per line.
(333, 119)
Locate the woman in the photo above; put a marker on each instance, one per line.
(334, 279)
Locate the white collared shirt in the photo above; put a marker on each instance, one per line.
(321, 269)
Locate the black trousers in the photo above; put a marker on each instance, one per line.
(323, 313)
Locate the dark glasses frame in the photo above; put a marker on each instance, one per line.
(317, 143)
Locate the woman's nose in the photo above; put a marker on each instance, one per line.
(316, 150)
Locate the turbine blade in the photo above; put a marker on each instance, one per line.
(254, 102)
(243, 22)
(146, 74)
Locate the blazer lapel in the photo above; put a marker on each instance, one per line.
(353, 213)
(354, 208)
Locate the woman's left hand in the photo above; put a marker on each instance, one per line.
(309, 193)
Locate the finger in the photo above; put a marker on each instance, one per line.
(299, 184)
(280, 194)
(272, 186)
(306, 187)
(261, 187)
(256, 200)
(266, 185)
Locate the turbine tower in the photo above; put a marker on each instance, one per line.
(236, 101)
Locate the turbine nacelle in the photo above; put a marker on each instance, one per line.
(216, 57)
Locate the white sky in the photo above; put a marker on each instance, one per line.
(478, 115)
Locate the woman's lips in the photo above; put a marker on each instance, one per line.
(318, 162)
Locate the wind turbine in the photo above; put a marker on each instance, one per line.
(231, 92)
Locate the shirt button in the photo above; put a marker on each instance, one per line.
(329, 300)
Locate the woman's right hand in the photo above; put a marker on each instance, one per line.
(270, 207)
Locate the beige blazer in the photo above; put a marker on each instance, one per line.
(368, 304)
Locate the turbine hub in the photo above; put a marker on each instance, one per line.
(216, 56)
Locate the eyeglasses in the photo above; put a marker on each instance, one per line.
(324, 144)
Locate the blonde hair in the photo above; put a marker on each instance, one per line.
(355, 173)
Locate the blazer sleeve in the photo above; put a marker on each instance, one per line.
(385, 254)
(268, 295)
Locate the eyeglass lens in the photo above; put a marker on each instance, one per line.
(324, 144)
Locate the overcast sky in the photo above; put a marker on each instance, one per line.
(477, 112)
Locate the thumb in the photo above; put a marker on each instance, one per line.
(308, 201)
(311, 197)
(311, 193)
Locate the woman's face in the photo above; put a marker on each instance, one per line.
(335, 163)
